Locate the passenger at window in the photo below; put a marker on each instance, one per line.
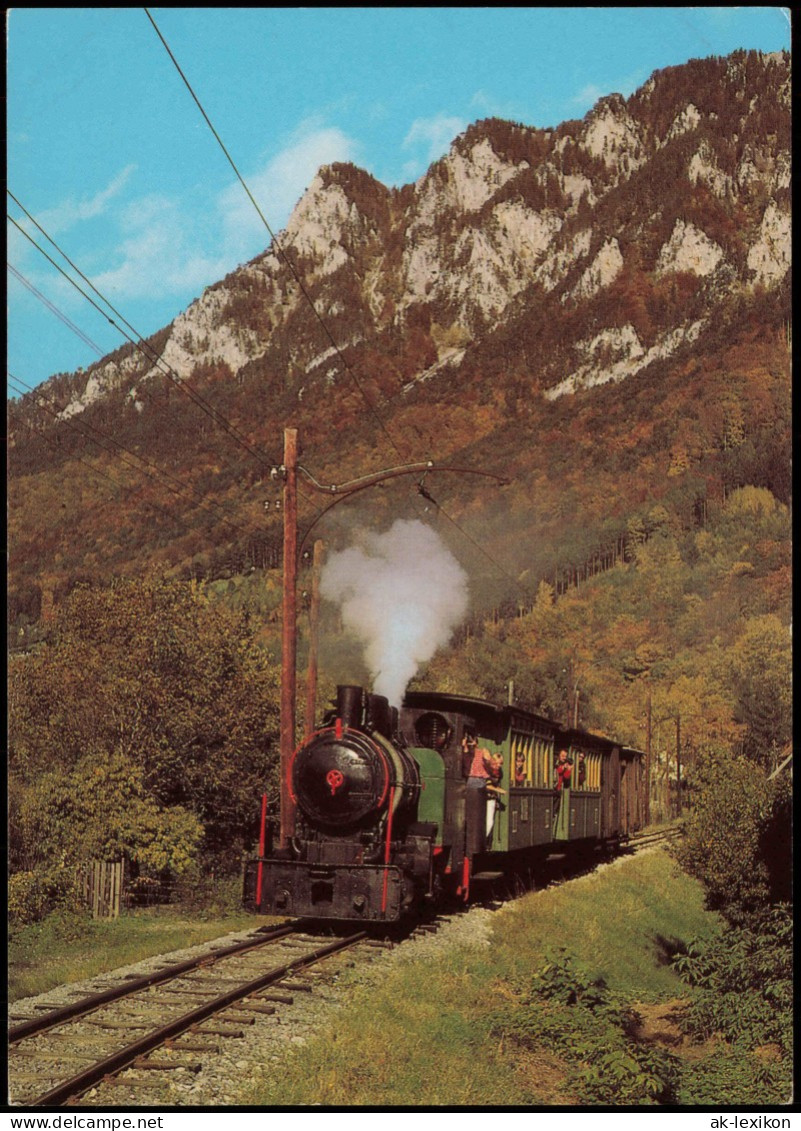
(520, 767)
(564, 769)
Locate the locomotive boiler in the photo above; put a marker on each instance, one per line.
(385, 822)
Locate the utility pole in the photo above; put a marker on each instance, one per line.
(289, 473)
(647, 807)
(678, 765)
(289, 630)
(314, 636)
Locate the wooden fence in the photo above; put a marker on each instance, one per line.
(100, 883)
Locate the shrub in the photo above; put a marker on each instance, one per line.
(33, 895)
(722, 845)
(568, 1009)
(742, 990)
(743, 982)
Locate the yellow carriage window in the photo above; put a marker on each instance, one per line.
(518, 768)
(546, 763)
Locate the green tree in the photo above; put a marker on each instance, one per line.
(149, 675)
(100, 810)
(761, 675)
(725, 843)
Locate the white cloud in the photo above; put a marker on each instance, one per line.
(278, 186)
(166, 250)
(588, 96)
(434, 135)
(61, 217)
(70, 212)
(159, 254)
(487, 106)
(625, 85)
(160, 246)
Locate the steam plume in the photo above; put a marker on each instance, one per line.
(402, 593)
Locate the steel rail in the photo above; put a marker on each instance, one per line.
(165, 974)
(126, 1056)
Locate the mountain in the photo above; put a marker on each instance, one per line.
(598, 311)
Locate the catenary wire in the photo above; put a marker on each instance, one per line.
(302, 288)
(292, 270)
(277, 243)
(119, 487)
(138, 341)
(95, 435)
(54, 309)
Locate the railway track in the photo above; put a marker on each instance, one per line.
(124, 1040)
(657, 836)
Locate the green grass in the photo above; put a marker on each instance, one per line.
(621, 922)
(427, 1034)
(69, 948)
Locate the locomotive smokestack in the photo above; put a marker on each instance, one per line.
(351, 705)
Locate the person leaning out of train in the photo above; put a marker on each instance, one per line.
(485, 768)
(564, 770)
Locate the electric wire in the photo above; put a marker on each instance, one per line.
(158, 362)
(144, 466)
(371, 407)
(119, 487)
(54, 309)
(150, 356)
(140, 343)
(137, 341)
(441, 510)
(157, 474)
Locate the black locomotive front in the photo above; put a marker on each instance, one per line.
(355, 852)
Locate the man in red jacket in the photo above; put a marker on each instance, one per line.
(564, 768)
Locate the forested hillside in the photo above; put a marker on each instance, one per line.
(598, 314)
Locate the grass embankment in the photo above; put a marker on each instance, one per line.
(493, 1026)
(65, 949)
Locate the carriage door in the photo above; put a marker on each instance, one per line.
(610, 794)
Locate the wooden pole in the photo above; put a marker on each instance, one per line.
(314, 639)
(678, 764)
(647, 813)
(262, 847)
(289, 631)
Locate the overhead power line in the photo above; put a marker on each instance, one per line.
(54, 309)
(136, 340)
(96, 470)
(144, 466)
(371, 407)
(305, 293)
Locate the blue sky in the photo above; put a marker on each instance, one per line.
(107, 150)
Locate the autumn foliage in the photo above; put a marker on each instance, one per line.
(145, 729)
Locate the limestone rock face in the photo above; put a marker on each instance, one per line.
(688, 177)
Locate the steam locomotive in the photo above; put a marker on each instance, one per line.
(385, 822)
